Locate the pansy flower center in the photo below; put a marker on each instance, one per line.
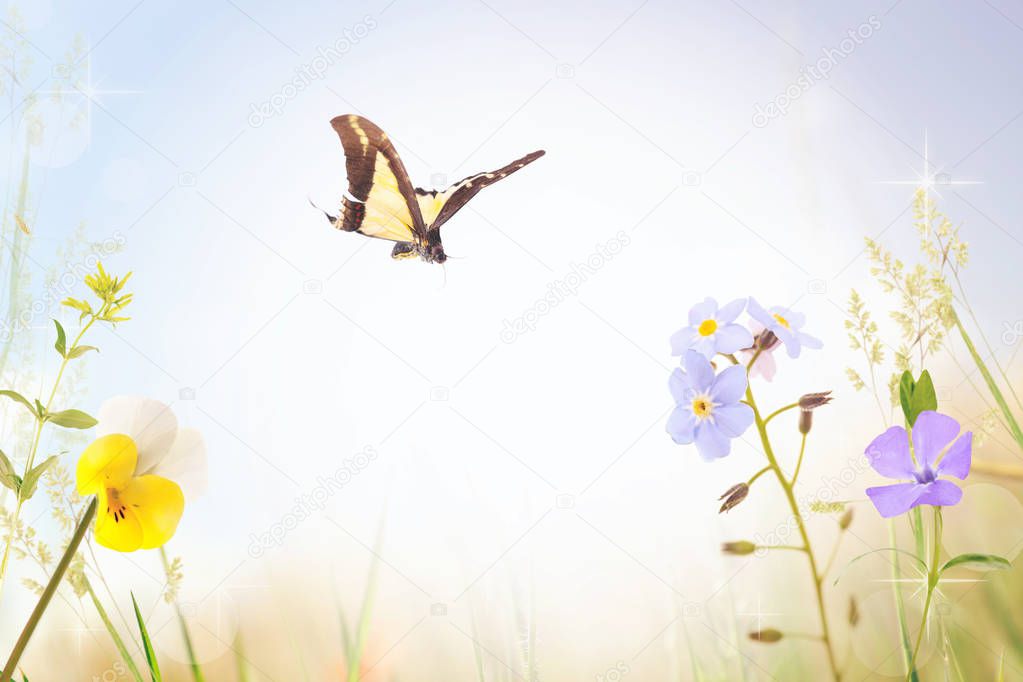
(703, 406)
(781, 320)
(707, 327)
(115, 507)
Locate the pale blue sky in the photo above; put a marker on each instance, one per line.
(646, 112)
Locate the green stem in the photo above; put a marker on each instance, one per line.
(48, 592)
(758, 475)
(932, 582)
(40, 421)
(192, 660)
(801, 525)
(774, 414)
(799, 462)
(900, 607)
(118, 642)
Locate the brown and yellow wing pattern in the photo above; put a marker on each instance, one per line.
(381, 201)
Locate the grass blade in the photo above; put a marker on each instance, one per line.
(154, 666)
(900, 607)
(240, 662)
(366, 611)
(992, 386)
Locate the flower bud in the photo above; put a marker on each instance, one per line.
(812, 401)
(766, 340)
(846, 519)
(805, 421)
(739, 547)
(733, 496)
(767, 636)
(807, 404)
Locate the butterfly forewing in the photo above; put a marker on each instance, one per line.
(382, 201)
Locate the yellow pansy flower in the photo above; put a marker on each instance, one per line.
(138, 468)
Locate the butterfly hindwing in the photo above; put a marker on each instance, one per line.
(438, 207)
(381, 201)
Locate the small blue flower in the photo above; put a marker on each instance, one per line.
(712, 330)
(707, 408)
(786, 325)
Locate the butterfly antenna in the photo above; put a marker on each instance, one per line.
(331, 218)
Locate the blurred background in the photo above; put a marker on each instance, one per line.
(503, 488)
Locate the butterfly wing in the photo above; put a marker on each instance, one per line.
(381, 202)
(438, 207)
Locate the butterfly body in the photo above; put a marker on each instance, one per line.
(381, 201)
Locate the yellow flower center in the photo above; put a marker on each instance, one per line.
(707, 327)
(781, 320)
(114, 505)
(703, 406)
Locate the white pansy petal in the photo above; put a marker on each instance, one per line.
(150, 423)
(186, 463)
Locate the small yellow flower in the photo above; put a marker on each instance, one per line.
(135, 512)
(142, 468)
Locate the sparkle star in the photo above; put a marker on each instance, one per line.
(929, 178)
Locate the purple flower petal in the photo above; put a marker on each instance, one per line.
(956, 461)
(730, 311)
(889, 456)
(931, 433)
(682, 340)
(699, 373)
(758, 313)
(892, 500)
(678, 385)
(795, 320)
(940, 494)
(705, 346)
(731, 338)
(807, 341)
(729, 385)
(733, 420)
(681, 425)
(710, 442)
(702, 311)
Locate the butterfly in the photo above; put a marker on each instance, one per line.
(381, 201)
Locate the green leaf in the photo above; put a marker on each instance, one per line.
(79, 351)
(924, 397)
(61, 344)
(977, 561)
(71, 419)
(17, 397)
(916, 396)
(32, 476)
(8, 476)
(906, 385)
(154, 666)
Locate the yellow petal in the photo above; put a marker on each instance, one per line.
(108, 462)
(114, 532)
(157, 503)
